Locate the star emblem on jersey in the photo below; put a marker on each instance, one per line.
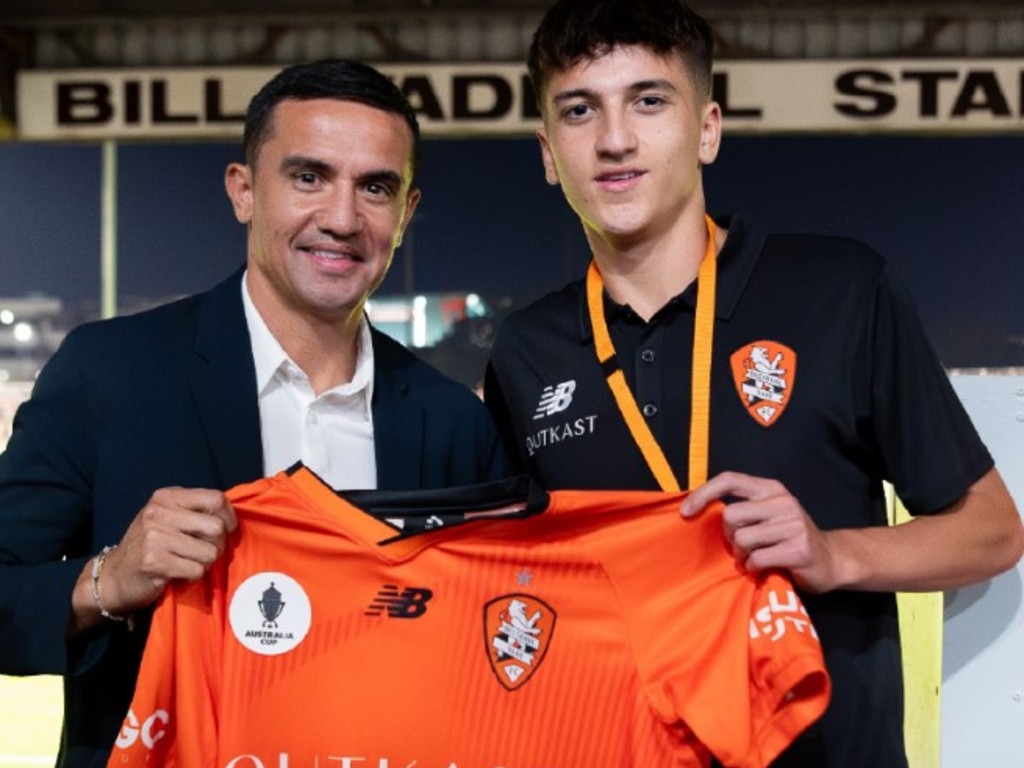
(517, 632)
(764, 373)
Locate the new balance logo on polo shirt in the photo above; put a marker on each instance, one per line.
(555, 399)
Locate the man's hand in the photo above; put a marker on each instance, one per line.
(177, 535)
(975, 538)
(768, 528)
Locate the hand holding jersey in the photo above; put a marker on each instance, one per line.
(177, 535)
(768, 528)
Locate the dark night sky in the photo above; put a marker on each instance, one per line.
(948, 211)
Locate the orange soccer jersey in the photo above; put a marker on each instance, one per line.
(603, 631)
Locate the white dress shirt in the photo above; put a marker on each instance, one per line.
(332, 433)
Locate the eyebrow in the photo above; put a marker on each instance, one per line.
(657, 84)
(638, 87)
(302, 163)
(382, 176)
(575, 93)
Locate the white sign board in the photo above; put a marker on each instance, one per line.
(916, 95)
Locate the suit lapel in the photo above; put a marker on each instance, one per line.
(397, 420)
(223, 380)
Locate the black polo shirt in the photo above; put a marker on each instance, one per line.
(822, 378)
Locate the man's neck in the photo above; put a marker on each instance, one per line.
(327, 354)
(647, 274)
(325, 348)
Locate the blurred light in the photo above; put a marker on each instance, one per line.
(474, 306)
(23, 332)
(6, 316)
(419, 321)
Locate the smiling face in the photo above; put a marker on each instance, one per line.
(625, 135)
(326, 202)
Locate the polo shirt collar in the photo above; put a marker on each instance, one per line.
(736, 263)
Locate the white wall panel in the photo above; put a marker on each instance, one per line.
(983, 644)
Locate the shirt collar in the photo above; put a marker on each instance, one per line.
(269, 357)
(736, 262)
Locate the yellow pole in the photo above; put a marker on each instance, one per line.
(920, 617)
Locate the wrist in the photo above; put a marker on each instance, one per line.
(95, 575)
(845, 548)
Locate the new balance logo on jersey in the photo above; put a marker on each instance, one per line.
(409, 603)
(555, 399)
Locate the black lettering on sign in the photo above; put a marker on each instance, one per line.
(866, 85)
(85, 103)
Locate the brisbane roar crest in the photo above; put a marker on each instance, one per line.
(764, 373)
(517, 632)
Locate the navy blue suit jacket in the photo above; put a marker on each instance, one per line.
(168, 398)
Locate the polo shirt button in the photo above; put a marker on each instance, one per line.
(650, 409)
(647, 355)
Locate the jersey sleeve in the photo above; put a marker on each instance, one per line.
(730, 657)
(172, 721)
(789, 686)
(746, 676)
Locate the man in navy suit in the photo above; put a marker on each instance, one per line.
(111, 485)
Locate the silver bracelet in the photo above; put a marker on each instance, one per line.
(97, 568)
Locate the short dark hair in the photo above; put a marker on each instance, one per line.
(341, 79)
(574, 30)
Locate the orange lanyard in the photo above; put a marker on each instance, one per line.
(700, 408)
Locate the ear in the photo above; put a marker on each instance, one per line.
(238, 183)
(710, 132)
(411, 201)
(550, 171)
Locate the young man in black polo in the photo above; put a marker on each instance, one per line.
(801, 356)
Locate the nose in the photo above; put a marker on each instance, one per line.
(616, 138)
(340, 213)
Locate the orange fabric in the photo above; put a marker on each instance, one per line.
(703, 342)
(607, 631)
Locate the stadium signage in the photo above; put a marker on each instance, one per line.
(970, 95)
